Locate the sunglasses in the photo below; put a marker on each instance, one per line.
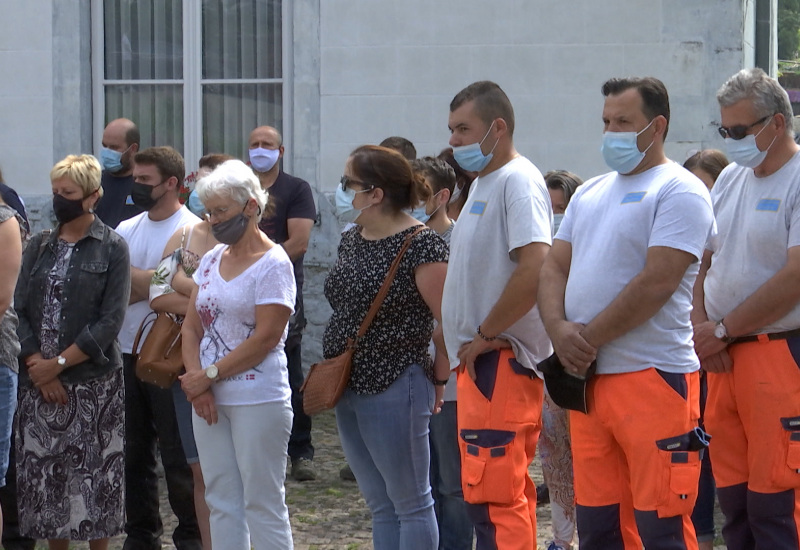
(740, 131)
(346, 180)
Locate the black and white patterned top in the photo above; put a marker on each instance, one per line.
(399, 335)
(51, 316)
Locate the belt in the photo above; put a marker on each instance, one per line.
(768, 337)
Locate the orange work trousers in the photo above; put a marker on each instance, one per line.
(636, 476)
(753, 413)
(499, 421)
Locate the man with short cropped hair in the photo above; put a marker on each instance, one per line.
(747, 318)
(401, 145)
(492, 329)
(288, 221)
(158, 173)
(120, 144)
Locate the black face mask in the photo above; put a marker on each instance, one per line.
(66, 209)
(142, 195)
(230, 231)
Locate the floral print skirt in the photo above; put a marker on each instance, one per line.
(70, 461)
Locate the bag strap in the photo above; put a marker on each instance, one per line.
(146, 321)
(387, 282)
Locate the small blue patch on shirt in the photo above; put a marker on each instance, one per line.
(768, 205)
(633, 197)
(129, 200)
(478, 207)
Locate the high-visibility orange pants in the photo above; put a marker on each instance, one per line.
(753, 412)
(635, 479)
(499, 418)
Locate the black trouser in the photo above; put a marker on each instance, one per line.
(300, 441)
(150, 420)
(12, 539)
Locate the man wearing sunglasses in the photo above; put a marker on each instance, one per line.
(747, 318)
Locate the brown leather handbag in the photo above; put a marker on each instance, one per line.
(327, 380)
(160, 360)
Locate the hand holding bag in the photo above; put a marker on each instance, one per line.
(160, 360)
(327, 380)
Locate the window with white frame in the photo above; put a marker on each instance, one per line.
(198, 75)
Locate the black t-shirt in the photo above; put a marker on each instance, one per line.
(291, 197)
(116, 204)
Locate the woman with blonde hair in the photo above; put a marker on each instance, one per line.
(71, 299)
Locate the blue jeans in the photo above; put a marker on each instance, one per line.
(8, 404)
(385, 440)
(455, 527)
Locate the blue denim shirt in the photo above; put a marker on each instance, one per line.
(93, 302)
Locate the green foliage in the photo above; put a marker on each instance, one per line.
(788, 28)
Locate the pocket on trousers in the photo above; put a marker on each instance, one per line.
(488, 468)
(678, 491)
(788, 476)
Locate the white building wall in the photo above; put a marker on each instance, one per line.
(391, 68)
(26, 94)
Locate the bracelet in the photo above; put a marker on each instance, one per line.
(437, 382)
(482, 335)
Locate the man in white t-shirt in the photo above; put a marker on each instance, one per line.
(158, 174)
(617, 287)
(747, 318)
(491, 326)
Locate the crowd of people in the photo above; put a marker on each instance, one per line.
(644, 326)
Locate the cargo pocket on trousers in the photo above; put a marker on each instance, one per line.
(789, 476)
(681, 461)
(487, 472)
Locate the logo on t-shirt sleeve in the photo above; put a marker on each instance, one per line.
(633, 197)
(477, 208)
(768, 205)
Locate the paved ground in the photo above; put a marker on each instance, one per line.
(329, 514)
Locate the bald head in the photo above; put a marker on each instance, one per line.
(265, 137)
(124, 128)
(122, 136)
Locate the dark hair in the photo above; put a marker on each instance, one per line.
(711, 161)
(389, 171)
(463, 177)
(563, 180)
(438, 173)
(167, 160)
(490, 100)
(402, 146)
(655, 99)
(132, 135)
(212, 160)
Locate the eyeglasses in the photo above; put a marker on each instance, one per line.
(347, 180)
(740, 131)
(216, 213)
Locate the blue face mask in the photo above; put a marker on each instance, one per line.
(621, 152)
(745, 152)
(471, 158)
(111, 160)
(345, 210)
(557, 222)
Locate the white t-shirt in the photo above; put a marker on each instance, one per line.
(146, 241)
(506, 209)
(228, 313)
(611, 223)
(759, 220)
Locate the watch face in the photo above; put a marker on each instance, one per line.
(212, 371)
(720, 332)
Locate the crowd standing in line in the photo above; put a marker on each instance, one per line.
(630, 283)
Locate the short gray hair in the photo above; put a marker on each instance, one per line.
(767, 95)
(234, 179)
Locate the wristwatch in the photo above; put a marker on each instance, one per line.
(721, 332)
(62, 362)
(212, 372)
(437, 382)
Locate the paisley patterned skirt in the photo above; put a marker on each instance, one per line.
(70, 461)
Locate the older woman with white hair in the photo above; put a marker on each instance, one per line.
(236, 375)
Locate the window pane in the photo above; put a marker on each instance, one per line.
(156, 109)
(242, 39)
(143, 39)
(231, 111)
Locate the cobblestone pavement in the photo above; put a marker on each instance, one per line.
(330, 514)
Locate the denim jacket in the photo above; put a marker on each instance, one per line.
(93, 301)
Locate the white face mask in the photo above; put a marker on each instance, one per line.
(455, 194)
(745, 151)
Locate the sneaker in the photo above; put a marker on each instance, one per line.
(303, 469)
(553, 546)
(346, 474)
